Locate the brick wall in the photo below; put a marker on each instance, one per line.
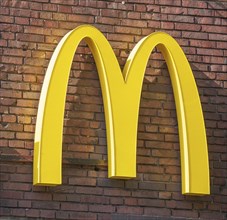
(30, 30)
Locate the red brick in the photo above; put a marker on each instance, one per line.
(82, 215)
(8, 118)
(149, 185)
(211, 52)
(212, 215)
(6, 19)
(8, 203)
(7, 135)
(51, 24)
(64, 9)
(178, 205)
(23, 21)
(18, 186)
(37, 196)
(90, 11)
(131, 201)
(200, 12)
(173, 10)
(130, 210)
(167, 2)
(94, 199)
(18, 212)
(167, 25)
(116, 192)
(184, 213)
(46, 15)
(46, 205)
(134, 23)
(11, 195)
(32, 213)
(82, 181)
(25, 178)
(23, 111)
(197, 4)
(127, 30)
(151, 211)
(116, 201)
(101, 208)
(30, 37)
(146, 160)
(5, 211)
(31, 95)
(164, 153)
(62, 215)
(16, 86)
(151, 202)
(219, 37)
(69, 2)
(195, 35)
(81, 18)
(164, 195)
(35, 5)
(49, 7)
(36, 22)
(47, 214)
(74, 206)
(4, 177)
(14, 60)
(166, 161)
(89, 190)
(4, 11)
(150, 169)
(188, 27)
(59, 17)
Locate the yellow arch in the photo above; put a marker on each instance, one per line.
(121, 97)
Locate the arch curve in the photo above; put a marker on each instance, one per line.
(121, 97)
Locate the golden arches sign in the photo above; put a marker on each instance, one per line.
(121, 97)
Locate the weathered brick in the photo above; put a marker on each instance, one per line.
(94, 199)
(82, 215)
(212, 215)
(23, 21)
(110, 183)
(151, 202)
(14, 60)
(18, 212)
(116, 192)
(185, 213)
(30, 37)
(152, 211)
(25, 178)
(8, 118)
(130, 210)
(18, 186)
(32, 213)
(178, 205)
(89, 190)
(82, 181)
(101, 208)
(8, 203)
(11, 195)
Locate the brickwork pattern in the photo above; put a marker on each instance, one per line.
(29, 32)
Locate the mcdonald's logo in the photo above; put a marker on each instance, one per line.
(121, 96)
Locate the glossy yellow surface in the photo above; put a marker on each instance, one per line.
(121, 97)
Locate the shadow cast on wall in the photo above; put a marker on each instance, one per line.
(158, 157)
